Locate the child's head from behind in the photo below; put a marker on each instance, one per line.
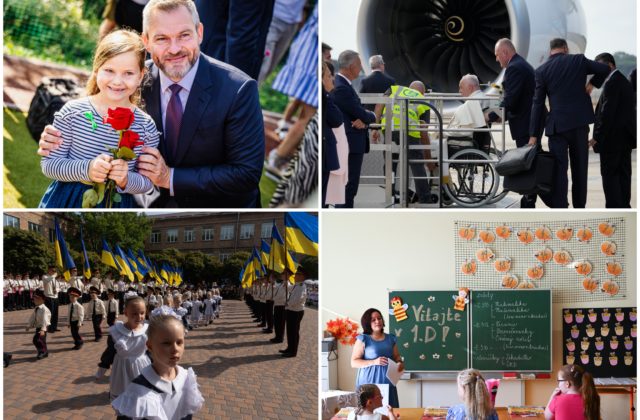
(369, 397)
(134, 310)
(118, 67)
(165, 340)
(473, 391)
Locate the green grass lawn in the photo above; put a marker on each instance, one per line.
(24, 183)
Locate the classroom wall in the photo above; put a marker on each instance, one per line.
(366, 253)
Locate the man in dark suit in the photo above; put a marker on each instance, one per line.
(614, 134)
(562, 77)
(377, 81)
(235, 31)
(211, 152)
(519, 84)
(356, 118)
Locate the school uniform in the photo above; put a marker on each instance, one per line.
(294, 311)
(6, 287)
(149, 396)
(112, 311)
(96, 311)
(51, 299)
(76, 316)
(268, 309)
(262, 296)
(120, 289)
(40, 319)
(279, 301)
(107, 284)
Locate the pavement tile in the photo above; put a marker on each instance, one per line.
(240, 373)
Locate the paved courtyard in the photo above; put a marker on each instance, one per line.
(240, 373)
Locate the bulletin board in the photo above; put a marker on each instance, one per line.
(603, 340)
(580, 260)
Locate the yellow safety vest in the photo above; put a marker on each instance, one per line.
(415, 109)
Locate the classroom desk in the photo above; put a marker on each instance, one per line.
(416, 414)
(620, 389)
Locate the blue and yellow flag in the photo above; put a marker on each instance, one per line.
(265, 250)
(277, 255)
(136, 267)
(125, 268)
(253, 269)
(86, 266)
(63, 258)
(107, 257)
(164, 274)
(301, 233)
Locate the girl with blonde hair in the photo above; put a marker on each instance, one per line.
(473, 391)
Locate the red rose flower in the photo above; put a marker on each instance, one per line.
(119, 118)
(130, 139)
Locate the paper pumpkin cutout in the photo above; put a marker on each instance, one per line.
(502, 265)
(503, 231)
(582, 267)
(469, 267)
(614, 268)
(535, 272)
(526, 284)
(562, 257)
(398, 309)
(543, 234)
(606, 229)
(467, 233)
(525, 236)
(584, 234)
(544, 255)
(590, 284)
(564, 234)
(610, 287)
(510, 281)
(608, 248)
(484, 255)
(486, 236)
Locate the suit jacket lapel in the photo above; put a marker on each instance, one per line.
(152, 105)
(196, 105)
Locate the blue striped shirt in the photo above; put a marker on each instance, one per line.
(81, 144)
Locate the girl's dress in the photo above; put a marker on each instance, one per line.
(299, 76)
(196, 313)
(377, 374)
(130, 357)
(151, 397)
(68, 165)
(210, 309)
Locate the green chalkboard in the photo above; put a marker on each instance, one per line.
(434, 336)
(511, 330)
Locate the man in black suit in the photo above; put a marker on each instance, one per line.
(519, 84)
(614, 135)
(377, 81)
(356, 118)
(562, 77)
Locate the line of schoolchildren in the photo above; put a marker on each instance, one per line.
(276, 304)
(145, 378)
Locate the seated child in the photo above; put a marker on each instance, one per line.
(474, 393)
(370, 398)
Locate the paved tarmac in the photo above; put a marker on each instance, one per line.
(240, 373)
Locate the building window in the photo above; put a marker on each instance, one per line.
(207, 234)
(226, 232)
(189, 235)
(224, 257)
(172, 235)
(155, 237)
(34, 227)
(11, 221)
(52, 235)
(265, 232)
(247, 231)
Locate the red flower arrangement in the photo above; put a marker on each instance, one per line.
(343, 330)
(120, 120)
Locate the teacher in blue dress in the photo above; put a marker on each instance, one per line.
(372, 351)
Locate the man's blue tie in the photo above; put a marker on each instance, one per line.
(172, 120)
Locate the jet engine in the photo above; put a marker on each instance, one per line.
(439, 41)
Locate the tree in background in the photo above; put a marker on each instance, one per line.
(26, 252)
(130, 230)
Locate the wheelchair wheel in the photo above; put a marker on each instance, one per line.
(471, 184)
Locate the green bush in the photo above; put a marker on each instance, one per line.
(53, 30)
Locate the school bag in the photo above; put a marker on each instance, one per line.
(50, 96)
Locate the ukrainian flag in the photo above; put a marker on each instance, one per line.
(125, 268)
(301, 233)
(164, 273)
(63, 258)
(107, 257)
(277, 255)
(136, 267)
(245, 274)
(87, 267)
(265, 250)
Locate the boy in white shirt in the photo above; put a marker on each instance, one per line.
(76, 316)
(40, 319)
